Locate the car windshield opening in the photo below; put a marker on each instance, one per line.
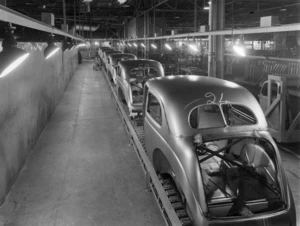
(239, 177)
(138, 78)
(143, 73)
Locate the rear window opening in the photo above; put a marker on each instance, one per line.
(143, 73)
(220, 115)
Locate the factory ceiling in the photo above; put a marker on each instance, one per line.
(108, 17)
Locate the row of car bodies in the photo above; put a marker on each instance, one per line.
(113, 66)
(211, 138)
(130, 81)
(129, 75)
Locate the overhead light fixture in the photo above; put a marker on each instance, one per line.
(143, 45)
(153, 46)
(135, 45)
(51, 48)
(282, 9)
(129, 45)
(239, 46)
(11, 56)
(122, 1)
(168, 46)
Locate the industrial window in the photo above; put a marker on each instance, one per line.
(154, 108)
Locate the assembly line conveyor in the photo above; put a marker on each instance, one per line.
(171, 208)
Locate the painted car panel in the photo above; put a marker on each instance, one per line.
(103, 49)
(212, 90)
(125, 87)
(106, 59)
(113, 62)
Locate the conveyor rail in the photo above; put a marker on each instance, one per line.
(171, 216)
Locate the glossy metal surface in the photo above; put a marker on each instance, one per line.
(106, 54)
(102, 50)
(113, 60)
(107, 59)
(124, 86)
(170, 145)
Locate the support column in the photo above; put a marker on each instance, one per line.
(216, 43)
(75, 23)
(146, 32)
(64, 12)
(3, 2)
(195, 15)
(220, 40)
(154, 28)
(64, 26)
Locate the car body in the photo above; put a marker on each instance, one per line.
(211, 138)
(113, 60)
(102, 51)
(106, 55)
(131, 78)
(168, 60)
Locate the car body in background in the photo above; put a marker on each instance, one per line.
(131, 78)
(210, 137)
(102, 52)
(106, 54)
(113, 60)
(102, 49)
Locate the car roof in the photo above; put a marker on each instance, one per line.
(107, 53)
(181, 93)
(116, 56)
(103, 49)
(127, 65)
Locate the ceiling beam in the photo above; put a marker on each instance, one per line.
(254, 30)
(11, 16)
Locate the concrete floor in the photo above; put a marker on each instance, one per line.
(83, 170)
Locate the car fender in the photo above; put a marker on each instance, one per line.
(165, 160)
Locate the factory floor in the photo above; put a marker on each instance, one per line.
(83, 170)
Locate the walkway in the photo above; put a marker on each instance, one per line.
(83, 171)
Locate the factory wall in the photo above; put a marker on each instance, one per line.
(28, 97)
(135, 28)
